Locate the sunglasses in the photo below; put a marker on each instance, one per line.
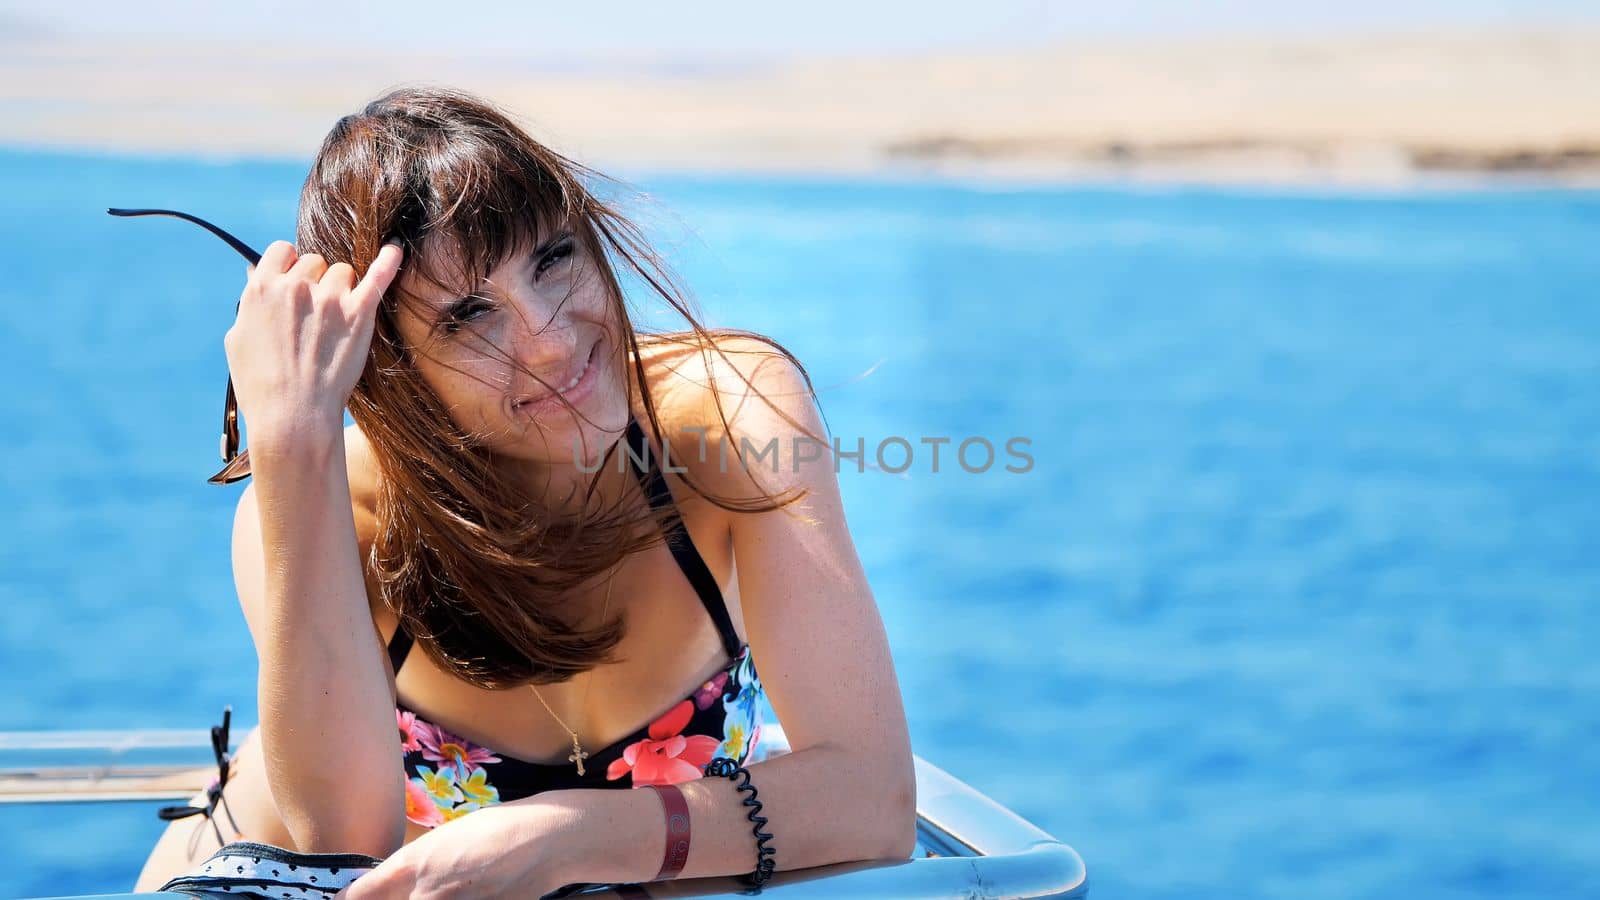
(235, 465)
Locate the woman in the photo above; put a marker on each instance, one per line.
(544, 562)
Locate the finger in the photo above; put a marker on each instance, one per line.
(310, 266)
(379, 276)
(339, 279)
(374, 885)
(278, 258)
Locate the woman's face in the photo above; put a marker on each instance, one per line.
(544, 310)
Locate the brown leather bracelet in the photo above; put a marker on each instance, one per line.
(677, 812)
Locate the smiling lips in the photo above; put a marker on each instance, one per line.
(576, 378)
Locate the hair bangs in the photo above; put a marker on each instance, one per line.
(474, 199)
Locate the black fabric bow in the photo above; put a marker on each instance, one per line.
(214, 795)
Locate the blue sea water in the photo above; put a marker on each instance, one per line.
(1298, 598)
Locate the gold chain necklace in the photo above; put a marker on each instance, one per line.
(578, 755)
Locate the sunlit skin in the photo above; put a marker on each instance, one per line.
(797, 594)
(542, 315)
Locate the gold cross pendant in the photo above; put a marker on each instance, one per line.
(578, 756)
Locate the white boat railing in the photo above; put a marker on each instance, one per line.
(102, 766)
(968, 846)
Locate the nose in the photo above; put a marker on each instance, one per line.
(544, 344)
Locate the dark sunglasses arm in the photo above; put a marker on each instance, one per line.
(236, 465)
(239, 246)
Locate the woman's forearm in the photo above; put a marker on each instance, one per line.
(824, 805)
(327, 723)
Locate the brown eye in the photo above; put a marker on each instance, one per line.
(465, 310)
(553, 257)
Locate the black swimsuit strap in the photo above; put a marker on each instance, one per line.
(399, 647)
(678, 540)
(643, 463)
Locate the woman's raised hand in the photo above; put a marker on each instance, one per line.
(301, 337)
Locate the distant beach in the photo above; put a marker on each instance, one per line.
(1361, 109)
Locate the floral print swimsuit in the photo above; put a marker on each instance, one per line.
(448, 776)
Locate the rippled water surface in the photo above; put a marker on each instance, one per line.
(1299, 597)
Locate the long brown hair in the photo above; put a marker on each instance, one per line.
(474, 571)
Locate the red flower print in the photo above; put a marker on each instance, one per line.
(666, 756)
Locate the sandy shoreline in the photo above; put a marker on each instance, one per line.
(1361, 110)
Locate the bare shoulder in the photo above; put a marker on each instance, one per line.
(362, 469)
(720, 400)
(732, 376)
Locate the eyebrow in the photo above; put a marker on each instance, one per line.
(546, 246)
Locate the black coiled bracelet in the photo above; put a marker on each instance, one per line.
(765, 862)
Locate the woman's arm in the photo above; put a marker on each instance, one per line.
(327, 716)
(327, 721)
(846, 792)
